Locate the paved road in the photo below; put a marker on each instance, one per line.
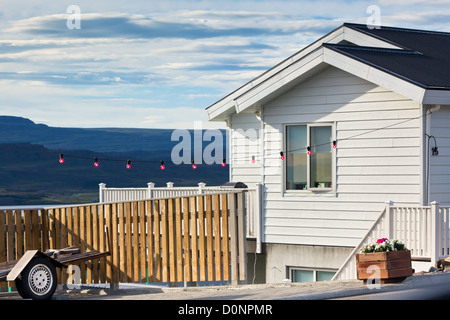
(270, 301)
(258, 301)
(421, 287)
(434, 292)
(301, 291)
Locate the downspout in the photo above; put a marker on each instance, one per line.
(263, 188)
(426, 151)
(260, 188)
(424, 159)
(229, 148)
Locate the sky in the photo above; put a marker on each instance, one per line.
(160, 64)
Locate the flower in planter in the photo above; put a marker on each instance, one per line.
(383, 245)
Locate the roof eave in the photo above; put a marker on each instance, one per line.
(436, 96)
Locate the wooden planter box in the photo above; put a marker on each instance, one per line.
(394, 266)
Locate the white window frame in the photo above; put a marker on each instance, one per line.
(315, 271)
(311, 191)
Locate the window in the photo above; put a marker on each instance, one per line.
(307, 275)
(296, 158)
(309, 159)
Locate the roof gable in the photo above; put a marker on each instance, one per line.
(403, 60)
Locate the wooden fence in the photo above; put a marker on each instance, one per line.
(252, 204)
(181, 239)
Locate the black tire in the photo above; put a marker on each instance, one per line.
(19, 286)
(38, 280)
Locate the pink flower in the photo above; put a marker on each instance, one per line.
(382, 240)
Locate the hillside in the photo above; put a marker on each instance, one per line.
(20, 130)
(31, 174)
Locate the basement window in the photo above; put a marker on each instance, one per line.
(309, 157)
(310, 275)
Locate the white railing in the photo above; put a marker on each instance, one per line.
(424, 230)
(127, 194)
(252, 205)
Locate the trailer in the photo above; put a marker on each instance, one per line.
(34, 274)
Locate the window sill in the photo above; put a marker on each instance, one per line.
(310, 193)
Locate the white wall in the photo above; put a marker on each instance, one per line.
(280, 257)
(245, 136)
(374, 167)
(440, 165)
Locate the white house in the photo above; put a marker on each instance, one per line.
(372, 107)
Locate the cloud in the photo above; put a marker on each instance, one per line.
(183, 25)
(413, 2)
(426, 20)
(78, 78)
(160, 64)
(99, 53)
(231, 46)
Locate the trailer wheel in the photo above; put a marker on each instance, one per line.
(19, 286)
(38, 280)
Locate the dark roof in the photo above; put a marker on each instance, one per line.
(423, 60)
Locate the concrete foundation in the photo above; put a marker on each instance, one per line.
(281, 257)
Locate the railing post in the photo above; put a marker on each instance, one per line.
(435, 232)
(101, 196)
(169, 184)
(150, 187)
(389, 221)
(201, 185)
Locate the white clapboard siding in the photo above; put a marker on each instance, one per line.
(379, 143)
(364, 180)
(440, 165)
(373, 165)
(245, 135)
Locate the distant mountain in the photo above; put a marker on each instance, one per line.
(20, 130)
(30, 173)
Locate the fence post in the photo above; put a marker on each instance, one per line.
(242, 243)
(201, 185)
(435, 232)
(389, 221)
(150, 186)
(101, 196)
(232, 224)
